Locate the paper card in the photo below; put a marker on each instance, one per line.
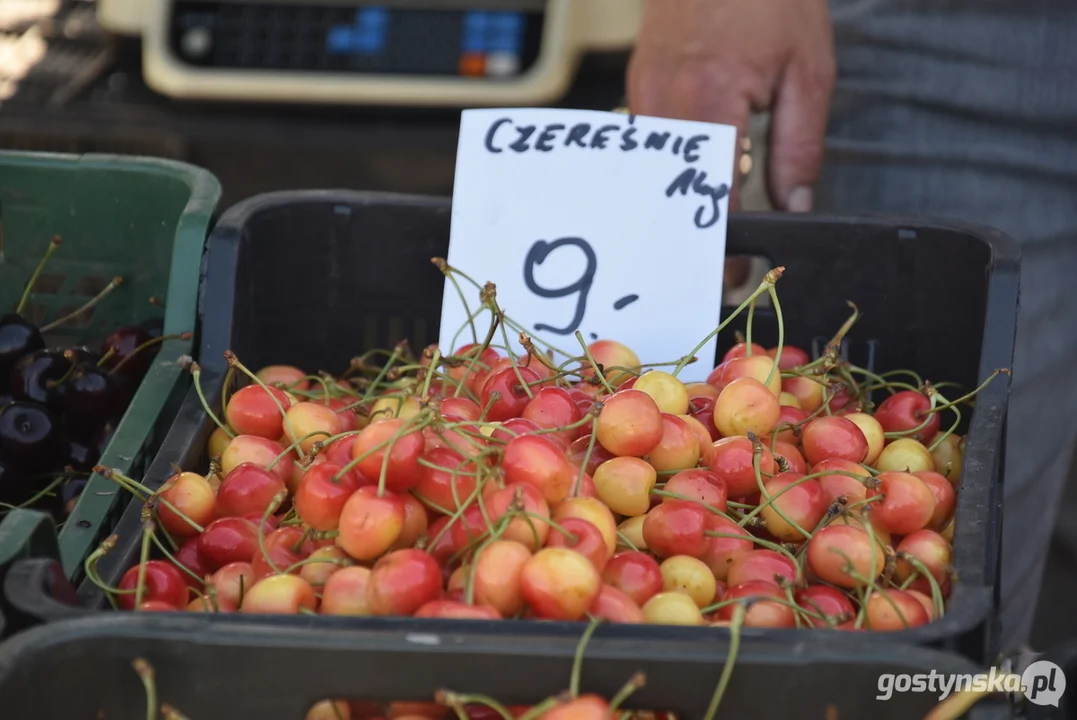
(610, 224)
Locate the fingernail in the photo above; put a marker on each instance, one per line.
(800, 200)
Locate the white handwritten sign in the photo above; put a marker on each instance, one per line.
(610, 224)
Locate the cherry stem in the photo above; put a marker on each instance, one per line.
(577, 660)
(513, 325)
(143, 558)
(590, 451)
(47, 490)
(933, 398)
(149, 343)
(196, 375)
(539, 710)
(833, 347)
(195, 526)
(146, 675)
(968, 396)
(739, 613)
(270, 509)
(450, 274)
(781, 333)
(749, 323)
(635, 683)
(115, 283)
(393, 357)
(29, 289)
(455, 700)
(341, 562)
(626, 542)
(942, 437)
(495, 533)
(770, 280)
(90, 568)
(936, 591)
(757, 454)
(434, 362)
(599, 371)
(135, 488)
(106, 357)
(164, 551)
(233, 361)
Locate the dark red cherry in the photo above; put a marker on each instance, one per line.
(18, 337)
(91, 399)
(82, 454)
(123, 342)
(39, 377)
(29, 436)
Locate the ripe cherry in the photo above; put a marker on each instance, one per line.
(188, 557)
(248, 489)
(809, 392)
(741, 350)
(831, 436)
(733, 458)
(667, 391)
(873, 433)
(625, 485)
(616, 606)
(528, 528)
(577, 453)
(907, 410)
(832, 604)
(690, 576)
(554, 408)
(672, 608)
(634, 573)
(699, 485)
(536, 460)
(344, 592)
(279, 595)
(907, 505)
(289, 376)
(721, 552)
(228, 540)
(891, 610)
(844, 555)
(905, 455)
(746, 405)
(762, 612)
(593, 511)
(498, 569)
(945, 498)
(559, 584)
(583, 537)
(791, 455)
(790, 421)
(758, 367)
(678, 449)
(306, 423)
(191, 495)
(763, 566)
(402, 582)
(164, 582)
(260, 451)
(676, 528)
(369, 524)
(630, 424)
(280, 550)
(839, 481)
(321, 495)
(793, 500)
(611, 355)
(930, 549)
(252, 411)
(232, 581)
(402, 445)
(513, 389)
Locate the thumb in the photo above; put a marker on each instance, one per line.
(797, 132)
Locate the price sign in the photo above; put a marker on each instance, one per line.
(613, 225)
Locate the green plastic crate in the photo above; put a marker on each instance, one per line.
(145, 219)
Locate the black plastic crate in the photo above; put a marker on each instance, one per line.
(937, 297)
(247, 668)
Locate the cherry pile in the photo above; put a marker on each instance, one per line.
(504, 481)
(59, 406)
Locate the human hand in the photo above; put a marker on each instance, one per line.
(720, 60)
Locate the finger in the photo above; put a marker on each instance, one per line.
(797, 133)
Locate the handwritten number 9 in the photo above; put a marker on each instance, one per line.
(537, 255)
